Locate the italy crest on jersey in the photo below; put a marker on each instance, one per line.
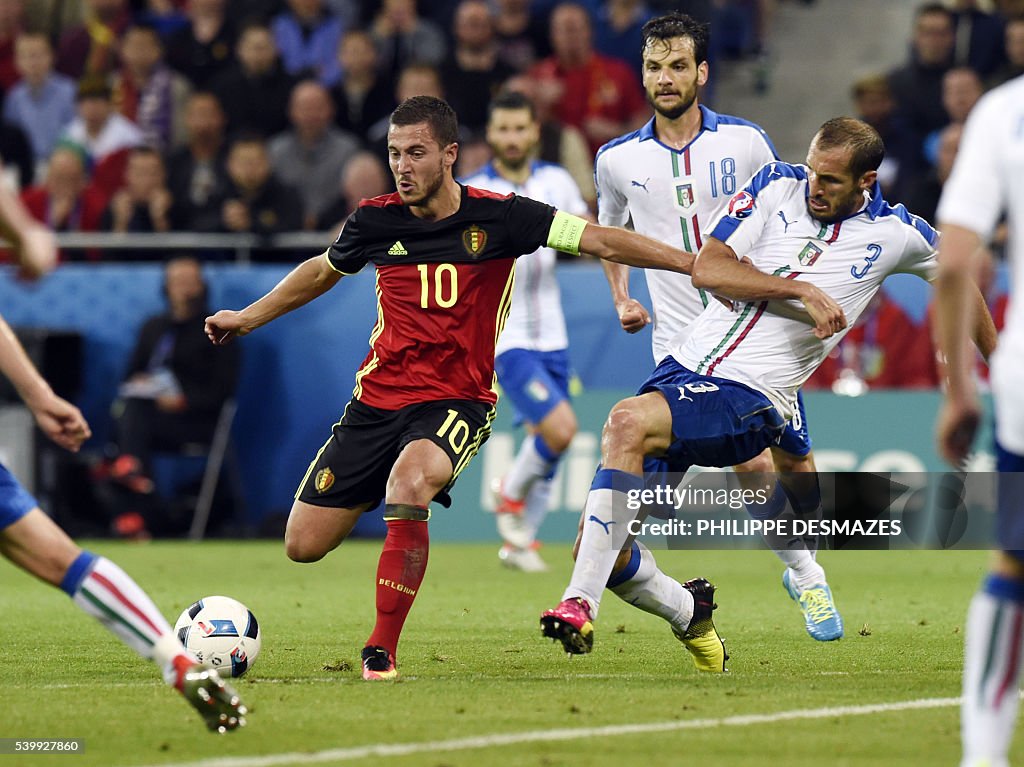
(809, 254)
(684, 195)
(474, 239)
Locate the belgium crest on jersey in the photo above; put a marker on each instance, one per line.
(324, 480)
(474, 240)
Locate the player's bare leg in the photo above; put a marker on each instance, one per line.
(36, 544)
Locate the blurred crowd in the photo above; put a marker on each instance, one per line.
(269, 116)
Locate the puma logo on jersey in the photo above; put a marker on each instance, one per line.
(787, 223)
(643, 185)
(398, 249)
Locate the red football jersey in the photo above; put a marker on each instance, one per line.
(443, 292)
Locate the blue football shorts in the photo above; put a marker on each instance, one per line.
(535, 382)
(15, 501)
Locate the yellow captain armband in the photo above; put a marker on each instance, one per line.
(565, 232)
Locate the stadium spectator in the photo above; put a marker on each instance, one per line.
(873, 103)
(600, 96)
(362, 97)
(473, 72)
(561, 144)
(522, 35)
(143, 204)
(165, 16)
(254, 89)
(196, 172)
(1014, 45)
(922, 196)
(917, 85)
(147, 91)
(90, 48)
(311, 156)
(105, 135)
(12, 17)
(617, 30)
(202, 48)
(256, 201)
(414, 80)
(43, 102)
(307, 36)
(979, 38)
(364, 177)
(403, 38)
(961, 89)
(174, 385)
(66, 201)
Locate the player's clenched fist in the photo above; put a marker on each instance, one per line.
(225, 325)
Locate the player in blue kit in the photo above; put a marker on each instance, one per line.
(33, 542)
(817, 241)
(671, 179)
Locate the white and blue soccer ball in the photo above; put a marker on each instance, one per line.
(222, 633)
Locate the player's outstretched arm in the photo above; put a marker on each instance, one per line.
(633, 315)
(35, 247)
(718, 270)
(310, 279)
(621, 246)
(960, 414)
(59, 419)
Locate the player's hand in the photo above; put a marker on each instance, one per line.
(828, 316)
(956, 428)
(37, 253)
(632, 315)
(61, 421)
(225, 325)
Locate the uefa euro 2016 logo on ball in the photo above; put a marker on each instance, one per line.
(222, 633)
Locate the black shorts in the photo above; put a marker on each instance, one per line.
(353, 467)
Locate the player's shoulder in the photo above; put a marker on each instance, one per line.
(881, 212)
(777, 174)
(999, 111)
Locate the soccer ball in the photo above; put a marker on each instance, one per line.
(222, 633)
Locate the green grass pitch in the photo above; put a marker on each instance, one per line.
(473, 664)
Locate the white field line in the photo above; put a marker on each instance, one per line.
(541, 736)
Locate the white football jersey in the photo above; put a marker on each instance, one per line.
(770, 346)
(535, 320)
(672, 195)
(988, 180)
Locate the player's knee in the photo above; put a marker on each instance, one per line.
(759, 464)
(300, 548)
(417, 485)
(789, 463)
(624, 428)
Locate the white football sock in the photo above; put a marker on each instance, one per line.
(992, 659)
(605, 531)
(537, 503)
(533, 461)
(643, 585)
